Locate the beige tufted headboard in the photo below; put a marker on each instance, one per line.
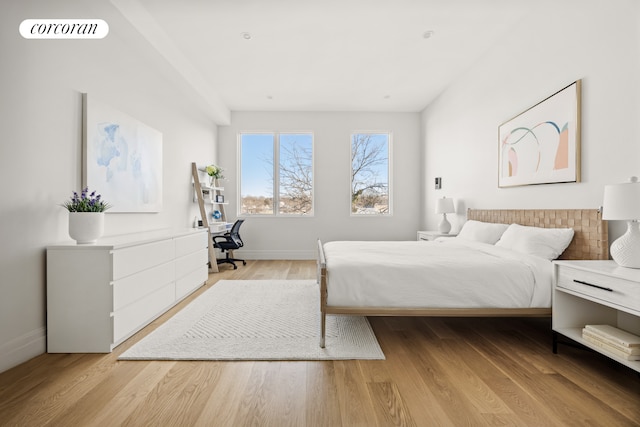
(590, 240)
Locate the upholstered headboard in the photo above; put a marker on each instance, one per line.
(591, 233)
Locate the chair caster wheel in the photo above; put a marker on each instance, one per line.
(244, 262)
(235, 267)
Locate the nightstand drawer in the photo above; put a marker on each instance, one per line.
(606, 288)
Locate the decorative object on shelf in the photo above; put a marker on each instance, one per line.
(216, 215)
(622, 203)
(86, 216)
(214, 172)
(444, 206)
(542, 144)
(219, 198)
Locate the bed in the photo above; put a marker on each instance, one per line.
(483, 272)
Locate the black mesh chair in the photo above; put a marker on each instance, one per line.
(229, 241)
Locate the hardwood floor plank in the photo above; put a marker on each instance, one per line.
(545, 388)
(323, 405)
(223, 403)
(420, 401)
(356, 407)
(62, 390)
(453, 401)
(116, 410)
(178, 397)
(524, 408)
(86, 409)
(389, 405)
(287, 405)
(528, 409)
(604, 380)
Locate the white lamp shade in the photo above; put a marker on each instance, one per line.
(444, 206)
(621, 201)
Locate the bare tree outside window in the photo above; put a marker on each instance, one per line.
(283, 190)
(370, 174)
(296, 174)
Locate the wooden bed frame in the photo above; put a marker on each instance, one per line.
(590, 242)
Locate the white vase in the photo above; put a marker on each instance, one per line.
(86, 227)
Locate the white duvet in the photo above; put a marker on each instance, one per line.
(453, 273)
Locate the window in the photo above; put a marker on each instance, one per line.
(276, 170)
(370, 189)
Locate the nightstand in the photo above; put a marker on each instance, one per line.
(432, 235)
(595, 292)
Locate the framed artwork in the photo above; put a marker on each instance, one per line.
(122, 158)
(542, 144)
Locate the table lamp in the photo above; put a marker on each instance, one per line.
(444, 206)
(622, 203)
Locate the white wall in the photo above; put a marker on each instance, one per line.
(591, 40)
(40, 151)
(295, 238)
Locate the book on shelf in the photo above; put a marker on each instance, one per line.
(614, 334)
(627, 350)
(610, 349)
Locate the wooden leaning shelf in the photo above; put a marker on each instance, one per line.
(213, 265)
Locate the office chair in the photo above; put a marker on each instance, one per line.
(229, 241)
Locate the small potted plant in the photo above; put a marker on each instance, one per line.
(86, 216)
(214, 172)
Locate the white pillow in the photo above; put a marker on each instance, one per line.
(485, 232)
(547, 243)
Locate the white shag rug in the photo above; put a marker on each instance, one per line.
(257, 320)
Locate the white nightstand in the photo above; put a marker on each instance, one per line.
(432, 235)
(595, 292)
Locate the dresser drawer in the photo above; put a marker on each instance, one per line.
(136, 286)
(602, 287)
(128, 320)
(189, 244)
(137, 258)
(191, 262)
(185, 285)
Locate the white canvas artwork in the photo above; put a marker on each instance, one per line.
(122, 159)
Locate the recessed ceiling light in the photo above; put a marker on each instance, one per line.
(387, 96)
(428, 34)
(246, 36)
(269, 97)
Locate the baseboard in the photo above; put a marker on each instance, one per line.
(265, 255)
(23, 348)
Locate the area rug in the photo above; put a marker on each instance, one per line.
(257, 320)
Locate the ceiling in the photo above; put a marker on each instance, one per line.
(322, 55)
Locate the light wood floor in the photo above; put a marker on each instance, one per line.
(437, 372)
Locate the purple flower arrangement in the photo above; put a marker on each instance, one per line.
(86, 202)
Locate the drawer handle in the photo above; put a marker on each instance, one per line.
(593, 286)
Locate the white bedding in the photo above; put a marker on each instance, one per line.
(453, 273)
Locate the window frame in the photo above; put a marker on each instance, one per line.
(389, 134)
(276, 174)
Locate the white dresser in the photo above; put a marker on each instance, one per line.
(99, 295)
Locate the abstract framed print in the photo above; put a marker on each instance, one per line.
(542, 144)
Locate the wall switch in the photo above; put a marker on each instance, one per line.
(438, 183)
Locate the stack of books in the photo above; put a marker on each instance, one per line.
(613, 340)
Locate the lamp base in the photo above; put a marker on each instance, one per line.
(445, 226)
(625, 251)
